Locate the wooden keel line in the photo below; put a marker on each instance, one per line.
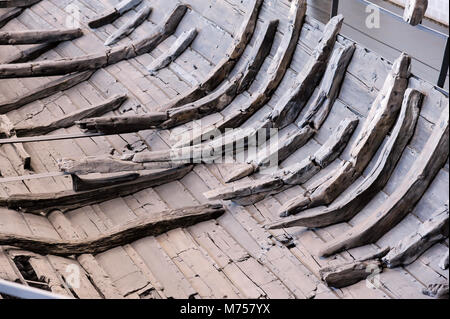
(125, 234)
(346, 208)
(275, 74)
(38, 36)
(110, 15)
(379, 121)
(226, 65)
(404, 198)
(98, 60)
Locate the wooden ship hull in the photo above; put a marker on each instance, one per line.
(108, 168)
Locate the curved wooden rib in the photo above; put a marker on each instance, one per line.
(43, 91)
(381, 117)
(68, 199)
(410, 248)
(112, 14)
(294, 174)
(443, 264)
(125, 234)
(177, 48)
(290, 105)
(404, 198)
(9, 15)
(38, 36)
(29, 53)
(275, 74)
(346, 208)
(415, 11)
(33, 130)
(225, 94)
(85, 184)
(99, 60)
(224, 67)
(17, 3)
(129, 26)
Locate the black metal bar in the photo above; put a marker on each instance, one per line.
(334, 8)
(444, 67)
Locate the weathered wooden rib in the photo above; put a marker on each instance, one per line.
(6, 129)
(80, 184)
(225, 94)
(122, 124)
(152, 225)
(110, 104)
(224, 67)
(29, 53)
(129, 26)
(38, 36)
(415, 11)
(43, 91)
(290, 105)
(6, 126)
(294, 174)
(410, 248)
(9, 15)
(17, 3)
(176, 49)
(404, 198)
(348, 274)
(24, 156)
(97, 274)
(346, 208)
(68, 199)
(443, 264)
(438, 291)
(275, 74)
(97, 60)
(381, 117)
(112, 14)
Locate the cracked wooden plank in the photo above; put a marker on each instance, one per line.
(177, 48)
(290, 105)
(382, 115)
(69, 120)
(347, 207)
(112, 14)
(100, 59)
(42, 203)
(224, 67)
(43, 91)
(403, 199)
(121, 235)
(129, 26)
(38, 36)
(415, 11)
(410, 248)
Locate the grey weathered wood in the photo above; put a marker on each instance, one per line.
(404, 198)
(43, 91)
(38, 36)
(17, 3)
(42, 203)
(129, 26)
(381, 117)
(151, 225)
(9, 15)
(443, 264)
(112, 14)
(69, 120)
(347, 207)
(290, 105)
(100, 59)
(176, 49)
(80, 184)
(415, 11)
(6, 126)
(225, 94)
(224, 67)
(24, 156)
(29, 53)
(348, 274)
(438, 291)
(410, 248)
(122, 124)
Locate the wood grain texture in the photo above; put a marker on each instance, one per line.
(415, 11)
(112, 14)
(38, 36)
(17, 3)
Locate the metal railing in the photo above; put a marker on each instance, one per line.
(13, 289)
(445, 62)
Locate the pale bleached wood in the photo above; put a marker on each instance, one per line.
(347, 207)
(224, 67)
(129, 26)
(9, 15)
(415, 11)
(112, 14)
(69, 120)
(404, 198)
(151, 225)
(100, 59)
(410, 248)
(38, 36)
(379, 121)
(29, 53)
